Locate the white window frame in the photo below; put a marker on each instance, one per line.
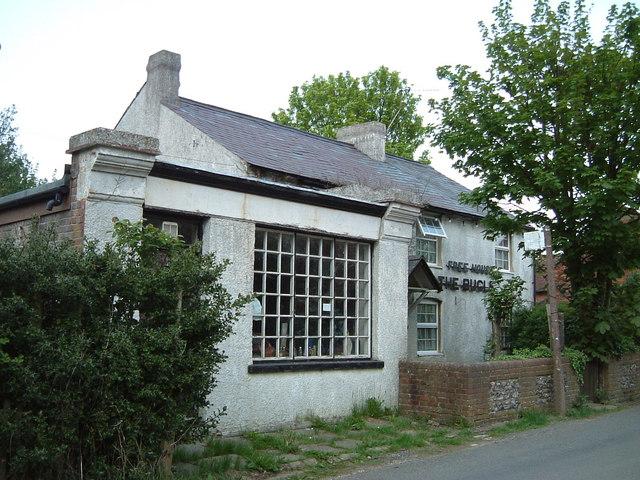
(502, 248)
(171, 228)
(423, 233)
(431, 226)
(342, 265)
(429, 325)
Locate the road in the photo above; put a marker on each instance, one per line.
(599, 448)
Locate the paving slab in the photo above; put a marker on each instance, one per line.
(290, 457)
(300, 464)
(344, 457)
(235, 461)
(319, 448)
(380, 449)
(324, 436)
(347, 443)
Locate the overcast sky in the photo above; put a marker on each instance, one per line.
(72, 65)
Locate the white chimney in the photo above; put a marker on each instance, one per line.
(368, 137)
(163, 76)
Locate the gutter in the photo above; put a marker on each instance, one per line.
(49, 192)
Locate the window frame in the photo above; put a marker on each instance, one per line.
(420, 235)
(431, 326)
(422, 223)
(497, 247)
(357, 335)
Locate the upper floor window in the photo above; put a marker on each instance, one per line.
(313, 296)
(503, 252)
(428, 240)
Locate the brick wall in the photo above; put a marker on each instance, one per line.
(67, 219)
(481, 392)
(621, 379)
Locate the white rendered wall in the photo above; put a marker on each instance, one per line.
(269, 400)
(175, 195)
(180, 142)
(464, 324)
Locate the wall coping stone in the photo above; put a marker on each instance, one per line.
(105, 137)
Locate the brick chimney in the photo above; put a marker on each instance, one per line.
(163, 77)
(368, 137)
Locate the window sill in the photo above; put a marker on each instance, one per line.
(430, 354)
(314, 365)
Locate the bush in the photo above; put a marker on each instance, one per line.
(577, 358)
(609, 333)
(107, 354)
(529, 326)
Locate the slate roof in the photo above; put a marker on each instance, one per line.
(265, 144)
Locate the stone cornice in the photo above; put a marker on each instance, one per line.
(121, 165)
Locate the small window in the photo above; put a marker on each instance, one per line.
(428, 320)
(170, 228)
(431, 226)
(186, 227)
(503, 252)
(427, 247)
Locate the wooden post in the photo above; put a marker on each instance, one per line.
(559, 394)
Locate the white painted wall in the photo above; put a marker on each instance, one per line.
(204, 200)
(265, 401)
(464, 323)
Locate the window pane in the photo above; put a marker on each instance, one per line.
(287, 242)
(257, 348)
(258, 261)
(259, 243)
(301, 244)
(327, 247)
(314, 246)
(502, 241)
(502, 259)
(270, 347)
(273, 241)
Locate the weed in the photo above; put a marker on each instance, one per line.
(527, 419)
(285, 441)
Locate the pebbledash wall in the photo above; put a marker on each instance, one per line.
(464, 341)
(480, 392)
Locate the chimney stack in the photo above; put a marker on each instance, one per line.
(368, 137)
(163, 76)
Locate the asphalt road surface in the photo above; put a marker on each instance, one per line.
(600, 448)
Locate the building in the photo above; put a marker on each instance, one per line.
(358, 259)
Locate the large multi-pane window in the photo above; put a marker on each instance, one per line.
(313, 296)
(502, 252)
(427, 324)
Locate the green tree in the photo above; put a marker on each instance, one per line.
(325, 104)
(555, 119)
(502, 300)
(16, 172)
